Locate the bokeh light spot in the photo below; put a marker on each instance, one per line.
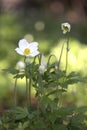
(39, 25)
(29, 37)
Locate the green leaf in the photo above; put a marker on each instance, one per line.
(11, 70)
(39, 124)
(75, 77)
(73, 74)
(73, 81)
(20, 113)
(66, 111)
(17, 113)
(25, 124)
(55, 91)
(19, 76)
(59, 127)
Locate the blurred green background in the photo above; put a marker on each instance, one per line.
(40, 20)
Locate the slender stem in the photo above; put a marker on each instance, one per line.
(39, 58)
(15, 92)
(27, 92)
(30, 93)
(67, 50)
(61, 54)
(50, 58)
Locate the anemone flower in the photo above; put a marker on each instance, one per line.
(27, 49)
(65, 27)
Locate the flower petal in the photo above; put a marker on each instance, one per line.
(23, 44)
(32, 49)
(66, 27)
(33, 44)
(19, 51)
(35, 53)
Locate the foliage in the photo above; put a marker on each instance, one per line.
(63, 118)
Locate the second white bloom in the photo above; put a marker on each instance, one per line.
(66, 27)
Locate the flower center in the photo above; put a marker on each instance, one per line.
(66, 28)
(27, 51)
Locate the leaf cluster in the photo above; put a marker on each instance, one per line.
(49, 114)
(64, 118)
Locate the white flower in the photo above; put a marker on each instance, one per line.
(27, 49)
(42, 69)
(43, 65)
(65, 27)
(20, 65)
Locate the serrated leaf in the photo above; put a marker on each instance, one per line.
(73, 81)
(19, 76)
(20, 113)
(11, 70)
(73, 74)
(55, 91)
(17, 113)
(26, 124)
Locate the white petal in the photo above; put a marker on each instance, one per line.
(23, 44)
(33, 44)
(32, 49)
(19, 51)
(63, 25)
(64, 31)
(35, 53)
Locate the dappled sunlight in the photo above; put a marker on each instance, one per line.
(77, 61)
(44, 46)
(3, 64)
(77, 56)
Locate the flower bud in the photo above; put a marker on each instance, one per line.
(43, 65)
(66, 27)
(42, 69)
(20, 65)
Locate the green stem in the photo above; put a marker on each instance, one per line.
(67, 50)
(61, 54)
(49, 59)
(30, 93)
(15, 92)
(27, 92)
(39, 58)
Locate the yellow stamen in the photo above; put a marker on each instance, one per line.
(27, 51)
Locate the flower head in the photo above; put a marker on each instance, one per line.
(42, 69)
(65, 27)
(20, 65)
(27, 49)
